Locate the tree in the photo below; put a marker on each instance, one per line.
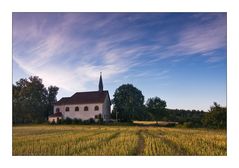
(16, 104)
(156, 108)
(128, 103)
(216, 117)
(30, 100)
(51, 99)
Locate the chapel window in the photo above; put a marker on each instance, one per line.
(67, 109)
(96, 108)
(76, 108)
(86, 108)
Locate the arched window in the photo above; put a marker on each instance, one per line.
(96, 108)
(86, 108)
(67, 109)
(76, 108)
(57, 110)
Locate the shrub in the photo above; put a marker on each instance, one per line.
(59, 121)
(67, 121)
(76, 121)
(99, 118)
(89, 121)
(216, 117)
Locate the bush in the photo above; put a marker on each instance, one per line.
(67, 121)
(99, 118)
(188, 124)
(76, 121)
(216, 117)
(90, 121)
(59, 121)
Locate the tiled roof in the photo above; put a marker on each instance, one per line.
(84, 98)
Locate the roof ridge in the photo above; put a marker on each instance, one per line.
(84, 97)
(92, 91)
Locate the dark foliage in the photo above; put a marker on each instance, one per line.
(156, 108)
(186, 118)
(216, 117)
(128, 103)
(67, 121)
(76, 121)
(90, 121)
(51, 99)
(99, 118)
(128, 106)
(32, 102)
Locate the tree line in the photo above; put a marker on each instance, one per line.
(129, 105)
(33, 103)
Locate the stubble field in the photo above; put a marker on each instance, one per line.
(91, 140)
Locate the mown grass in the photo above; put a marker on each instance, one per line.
(91, 140)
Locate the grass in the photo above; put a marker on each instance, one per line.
(97, 140)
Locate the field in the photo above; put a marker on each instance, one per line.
(116, 140)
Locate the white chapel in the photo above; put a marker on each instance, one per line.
(83, 105)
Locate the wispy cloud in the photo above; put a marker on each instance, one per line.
(69, 50)
(198, 39)
(215, 59)
(64, 60)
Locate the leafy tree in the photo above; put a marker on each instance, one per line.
(128, 103)
(185, 117)
(17, 106)
(156, 108)
(31, 99)
(216, 117)
(51, 99)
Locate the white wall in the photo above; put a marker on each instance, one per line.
(106, 109)
(50, 119)
(81, 114)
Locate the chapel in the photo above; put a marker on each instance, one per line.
(83, 105)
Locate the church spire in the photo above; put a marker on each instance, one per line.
(100, 83)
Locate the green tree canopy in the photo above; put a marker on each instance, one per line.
(51, 99)
(128, 103)
(156, 107)
(216, 117)
(31, 100)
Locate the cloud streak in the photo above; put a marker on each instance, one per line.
(70, 49)
(198, 39)
(68, 62)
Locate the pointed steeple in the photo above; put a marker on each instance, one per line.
(100, 83)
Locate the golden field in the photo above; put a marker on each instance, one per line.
(91, 140)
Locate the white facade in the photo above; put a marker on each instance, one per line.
(106, 109)
(84, 114)
(55, 119)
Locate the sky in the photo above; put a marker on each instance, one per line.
(179, 57)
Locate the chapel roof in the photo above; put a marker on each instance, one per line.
(84, 98)
(57, 114)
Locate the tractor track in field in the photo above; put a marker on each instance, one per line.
(179, 150)
(140, 147)
(113, 136)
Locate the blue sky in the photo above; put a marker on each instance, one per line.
(179, 57)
